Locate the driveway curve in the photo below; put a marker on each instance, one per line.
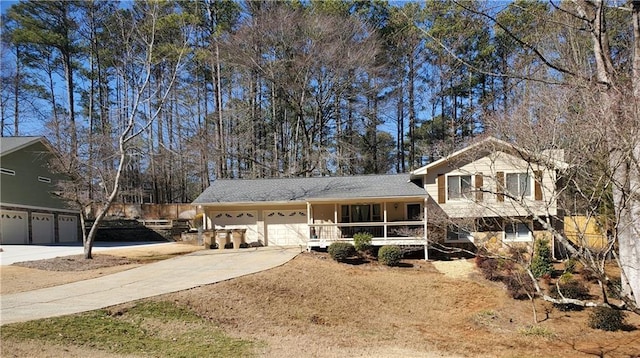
(171, 275)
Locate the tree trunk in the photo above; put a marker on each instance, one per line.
(16, 95)
(412, 114)
(68, 71)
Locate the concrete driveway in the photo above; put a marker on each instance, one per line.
(17, 253)
(175, 274)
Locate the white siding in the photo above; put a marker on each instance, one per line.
(489, 165)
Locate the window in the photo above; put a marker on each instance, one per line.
(360, 213)
(377, 212)
(344, 214)
(44, 179)
(7, 171)
(518, 184)
(458, 234)
(517, 232)
(459, 187)
(414, 212)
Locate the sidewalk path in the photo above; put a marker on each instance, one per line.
(176, 274)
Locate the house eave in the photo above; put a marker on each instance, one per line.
(367, 198)
(311, 200)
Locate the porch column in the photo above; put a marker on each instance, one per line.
(309, 213)
(426, 236)
(336, 229)
(385, 220)
(204, 218)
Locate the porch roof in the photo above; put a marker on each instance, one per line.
(309, 189)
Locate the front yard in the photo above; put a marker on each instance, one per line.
(314, 306)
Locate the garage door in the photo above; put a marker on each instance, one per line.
(286, 227)
(14, 227)
(42, 228)
(238, 219)
(67, 228)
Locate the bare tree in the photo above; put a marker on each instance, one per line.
(609, 100)
(137, 30)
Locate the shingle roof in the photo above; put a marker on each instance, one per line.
(11, 144)
(309, 189)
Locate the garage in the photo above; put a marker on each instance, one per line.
(14, 227)
(286, 227)
(238, 219)
(67, 228)
(42, 228)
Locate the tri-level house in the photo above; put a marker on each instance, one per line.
(30, 212)
(493, 193)
(490, 191)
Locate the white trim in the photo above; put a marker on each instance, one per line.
(338, 200)
(7, 171)
(37, 208)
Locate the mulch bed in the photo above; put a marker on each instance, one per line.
(76, 263)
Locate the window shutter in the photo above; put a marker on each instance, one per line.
(442, 192)
(479, 184)
(500, 186)
(538, 184)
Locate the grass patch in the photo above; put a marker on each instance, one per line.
(150, 328)
(537, 331)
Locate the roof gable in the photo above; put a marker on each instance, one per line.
(9, 145)
(309, 189)
(491, 144)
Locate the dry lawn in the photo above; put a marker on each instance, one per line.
(315, 307)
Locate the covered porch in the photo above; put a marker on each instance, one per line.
(395, 221)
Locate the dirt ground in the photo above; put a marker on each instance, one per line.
(313, 306)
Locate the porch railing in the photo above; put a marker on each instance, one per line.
(384, 230)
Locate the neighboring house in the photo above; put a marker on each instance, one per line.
(313, 212)
(30, 213)
(491, 191)
(588, 232)
(470, 196)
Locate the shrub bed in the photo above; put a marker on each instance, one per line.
(362, 241)
(340, 251)
(606, 319)
(390, 255)
(570, 289)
